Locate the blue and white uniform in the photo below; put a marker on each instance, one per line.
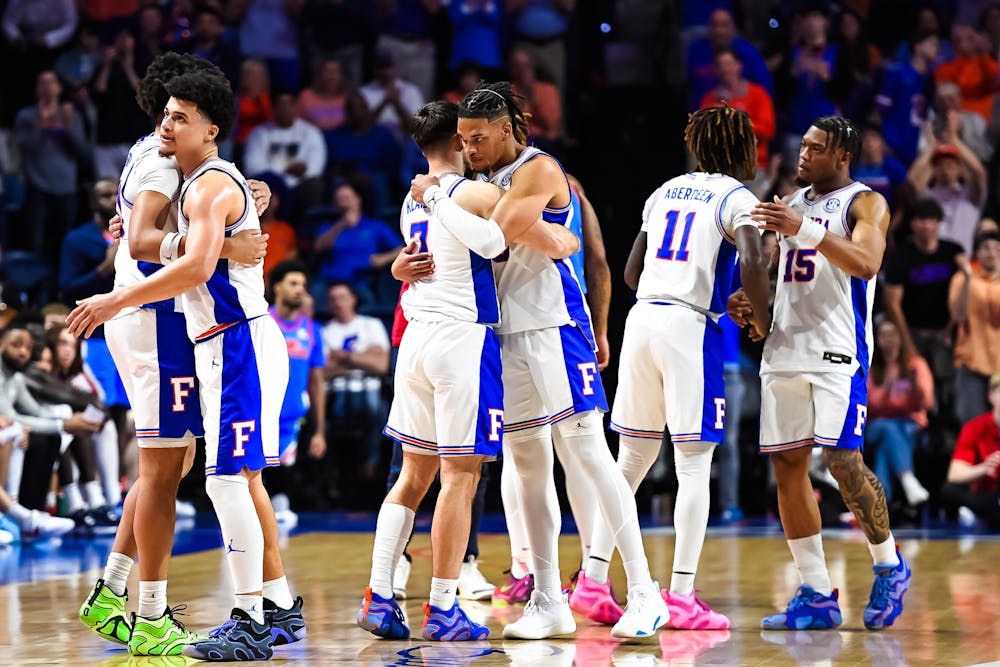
(549, 364)
(815, 365)
(149, 345)
(240, 354)
(304, 343)
(671, 368)
(449, 395)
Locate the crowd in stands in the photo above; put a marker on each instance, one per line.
(325, 89)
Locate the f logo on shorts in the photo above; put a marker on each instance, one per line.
(182, 389)
(496, 424)
(588, 370)
(242, 431)
(862, 419)
(720, 413)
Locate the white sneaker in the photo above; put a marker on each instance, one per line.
(645, 613)
(400, 576)
(914, 491)
(472, 585)
(543, 617)
(966, 517)
(184, 510)
(43, 525)
(286, 519)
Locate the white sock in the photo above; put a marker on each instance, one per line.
(443, 593)
(95, 494)
(116, 572)
(277, 592)
(391, 532)
(106, 459)
(520, 553)
(811, 562)
(581, 500)
(584, 435)
(152, 598)
(73, 497)
(20, 515)
(15, 468)
(252, 604)
(885, 554)
(635, 457)
(242, 537)
(693, 463)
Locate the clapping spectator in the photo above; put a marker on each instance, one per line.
(701, 67)
(119, 119)
(974, 69)
(904, 95)
(813, 67)
(540, 99)
(322, 103)
(973, 483)
(738, 92)
(970, 126)
(391, 99)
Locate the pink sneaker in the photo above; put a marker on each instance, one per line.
(687, 612)
(595, 601)
(514, 590)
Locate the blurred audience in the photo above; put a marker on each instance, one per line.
(972, 487)
(736, 91)
(540, 99)
(322, 104)
(721, 35)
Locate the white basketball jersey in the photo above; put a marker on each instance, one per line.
(462, 287)
(690, 223)
(537, 292)
(822, 315)
(145, 169)
(235, 292)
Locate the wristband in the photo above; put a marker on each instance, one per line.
(810, 233)
(169, 247)
(433, 195)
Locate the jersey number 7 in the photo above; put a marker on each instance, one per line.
(418, 230)
(666, 250)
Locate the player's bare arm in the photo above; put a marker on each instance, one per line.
(595, 266)
(756, 284)
(633, 266)
(212, 202)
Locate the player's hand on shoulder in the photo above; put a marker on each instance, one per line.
(738, 308)
(411, 266)
(420, 184)
(777, 216)
(261, 193)
(115, 227)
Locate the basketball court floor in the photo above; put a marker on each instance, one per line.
(952, 612)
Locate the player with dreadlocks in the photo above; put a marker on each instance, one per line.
(815, 366)
(550, 371)
(670, 370)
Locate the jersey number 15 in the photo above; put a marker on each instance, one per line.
(667, 251)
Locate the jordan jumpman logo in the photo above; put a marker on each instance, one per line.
(230, 549)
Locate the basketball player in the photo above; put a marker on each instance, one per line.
(241, 385)
(156, 363)
(449, 354)
(813, 374)
(550, 369)
(671, 357)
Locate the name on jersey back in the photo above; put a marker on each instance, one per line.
(689, 194)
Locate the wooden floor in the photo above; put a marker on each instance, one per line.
(952, 610)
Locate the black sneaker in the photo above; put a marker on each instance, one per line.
(287, 625)
(104, 520)
(243, 640)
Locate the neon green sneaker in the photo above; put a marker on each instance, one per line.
(104, 613)
(160, 636)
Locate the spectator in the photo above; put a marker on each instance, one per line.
(701, 68)
(736, 91)
(405, 30)
(282, 242)
(855, 64)
(48, 25)
(915, 292)
(900, 391)
(340, 30)
(354, 246)
(974, 69)
(289, 147)
(322, 104)
(903, 96)
(540, 99)
(255, 100)
(357, 360)
(206, 42)
(467, 77)
(926, 22)
(151, 35)
(881, 172)
(78, 66)
(971, 127)
(974, 301)
(392, 100)
(87, 259)
(813, 67)
(119, 119)
(269, 32)
(364, 152)
(973, 483)
(540, 27)
(952, 175)
(476, 32)
(50, 139)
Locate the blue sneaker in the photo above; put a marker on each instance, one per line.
(808, 610)
(382, 616)
(886, 601)
(287, 625)
(451, 625)
(243, 639)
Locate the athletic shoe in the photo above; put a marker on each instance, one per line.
(450, 625)
(244, 639)
(543, 617)
(287, 519)
(809, 647)
(104, 520)
(382, 616)
(400, 576)
(164, 635)
(808, 610)
(287, 625)
(10, 526)
(104, 613)
(42, 526)
(472, 585)
(514, 590)
(645, 613)
(184, 510)
(595, 601)
(687, 612)
(886, 601)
